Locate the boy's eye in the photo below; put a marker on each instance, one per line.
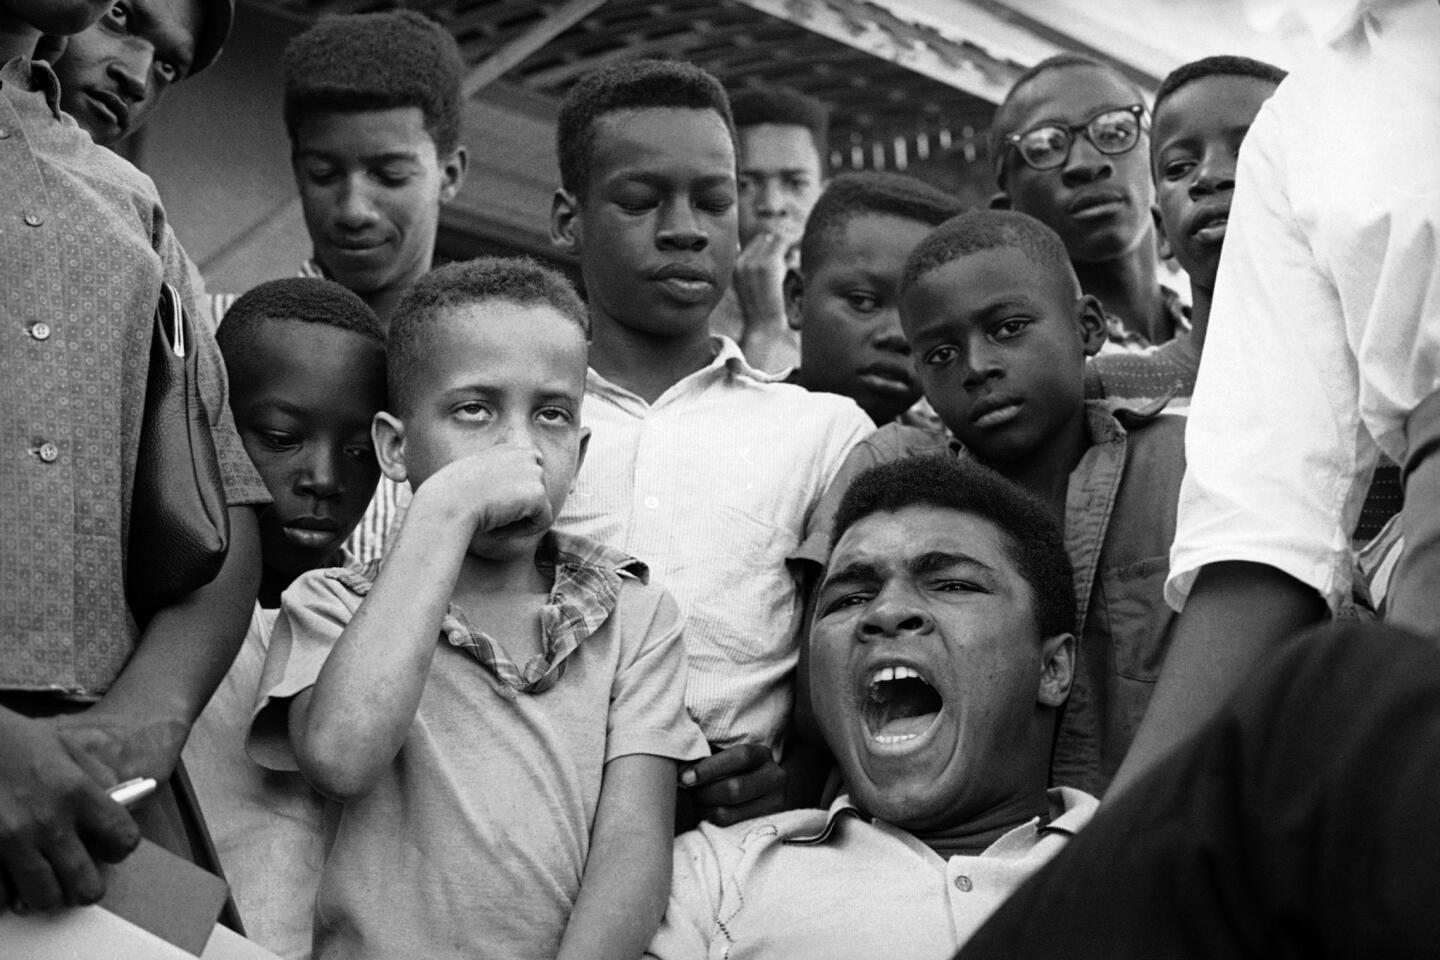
(862, 302)
(1011, 328)
(716, 202)
(556, 415)
(275, 440)
(940, 356)
(319, 173)
(634, 199)
(363, 452)
(118, 16)
(167, 71)
(797, 182)
(1175, 169)
(393, 176)
(472, 410)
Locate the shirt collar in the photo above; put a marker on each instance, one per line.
(34, 76)
(1070, 810)
(842, 807)
(560, 549)
(728, 362)
(729, 355)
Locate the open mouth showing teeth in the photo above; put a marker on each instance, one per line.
(899, 705)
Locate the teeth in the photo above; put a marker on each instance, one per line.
(897, 738)
(902, 672)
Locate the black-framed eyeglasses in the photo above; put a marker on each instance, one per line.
(1112, 131)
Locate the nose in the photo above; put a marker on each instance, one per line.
(319, 477)
(889, 335)
(1216, 173)
(130, 69)
(982, 363)
(355, 209)
(519, 431)
(1085, 164)
(769, 200)
(895, 612)
(680, 228)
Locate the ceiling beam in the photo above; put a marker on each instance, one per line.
(880, 33)
(509, 56)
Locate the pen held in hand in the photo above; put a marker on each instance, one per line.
(132, 791)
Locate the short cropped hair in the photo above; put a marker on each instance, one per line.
(299, 299)
(517, 280)
(1034, 539)
(1221, 66)
(852, 195)
(376, 61)
(978, 230)
(785, 106)
(632, 85)
(1002, 123)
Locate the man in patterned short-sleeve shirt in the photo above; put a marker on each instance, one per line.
(86, 698)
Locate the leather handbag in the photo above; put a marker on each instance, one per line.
(179, 530)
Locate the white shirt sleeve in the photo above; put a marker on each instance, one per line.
(1275, 446)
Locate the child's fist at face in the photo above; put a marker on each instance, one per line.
(501, 493)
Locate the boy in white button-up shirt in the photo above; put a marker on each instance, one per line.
(700, 465)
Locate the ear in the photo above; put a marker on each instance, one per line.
(1090, 319)
(1161, 241)
(387, 432)
(584, 446)
(452, 173)
(1000, 200)
(566, 227)
(1057, 669)
(793, 287)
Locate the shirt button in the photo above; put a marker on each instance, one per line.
(963, 884)
(651, 503)
(48, 452)
(40, 330)
(33, 219)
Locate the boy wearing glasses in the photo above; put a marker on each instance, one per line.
(1071, 143)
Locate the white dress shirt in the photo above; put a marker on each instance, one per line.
(1325, 330)
(712, 486)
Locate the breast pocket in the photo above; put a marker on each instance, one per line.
(1140, 624)
(742, 590)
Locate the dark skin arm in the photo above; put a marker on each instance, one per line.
(56, 822)
(733, 784)
(1236, 613)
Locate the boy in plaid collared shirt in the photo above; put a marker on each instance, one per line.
(497, 710)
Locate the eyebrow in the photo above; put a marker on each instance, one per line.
(866, 571)
(944, 559)
(861, 571)
(660, 180)
(775, 171)
(394, 156)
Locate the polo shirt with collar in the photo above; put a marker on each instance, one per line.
(836, 884)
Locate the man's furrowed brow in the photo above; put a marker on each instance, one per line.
(934, 560)
(853, 574)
